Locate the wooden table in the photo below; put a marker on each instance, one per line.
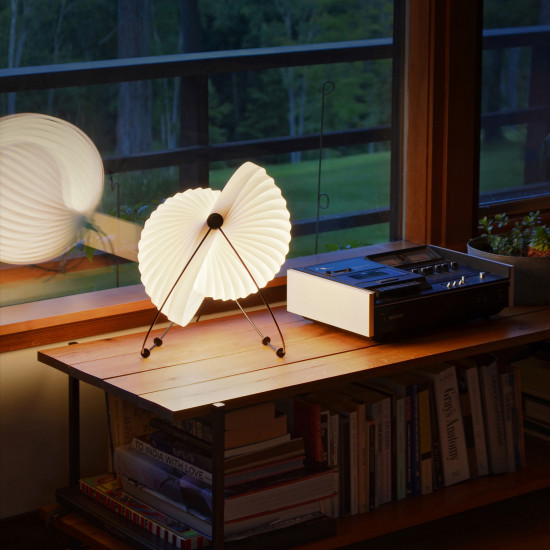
(220, 364)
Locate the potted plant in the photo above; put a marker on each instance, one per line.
(525, 245)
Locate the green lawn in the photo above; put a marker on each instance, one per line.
(501, 165)
(352, 183)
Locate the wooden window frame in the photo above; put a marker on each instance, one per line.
(443, 83)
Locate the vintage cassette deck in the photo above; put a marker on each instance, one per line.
(393, 293)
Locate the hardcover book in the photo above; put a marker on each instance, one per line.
(307, 425)
(472, 409)
(450, 421)
(242, 426)
(348, 456)
(399, 439)
(363, 433)
(513, 422)
(405, 385)
(287, 456)
(259, 496)
(494, 417)
(235, 529)
(377, 406)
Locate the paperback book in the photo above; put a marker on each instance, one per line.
(107, 491)
(256, 497)
(450, 421)
(472, 411)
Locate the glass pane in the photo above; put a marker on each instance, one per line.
(132, 121)
(515, 137)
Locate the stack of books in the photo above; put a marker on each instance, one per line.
(414, 432)
(107, 491)
(501, 399)
(330, 454)
(267, 485)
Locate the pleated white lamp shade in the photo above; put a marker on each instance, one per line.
(256, 221)
(51, 181)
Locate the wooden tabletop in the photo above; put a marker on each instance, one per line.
(223, 360)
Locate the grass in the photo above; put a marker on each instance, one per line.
(501, 165)
(352, 183)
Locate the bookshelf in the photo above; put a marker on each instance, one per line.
(217, 365)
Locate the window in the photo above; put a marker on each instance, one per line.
(286, 73)
(515, 106)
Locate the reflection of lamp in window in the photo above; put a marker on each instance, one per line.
(51, 181)
(219, 244)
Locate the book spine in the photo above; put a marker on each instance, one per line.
(178, 464)
(197, 428)
(409, 442)
(519, 440)
(141, 515)
(467, 419)
(478, 424)
(415, 441)
(519, 417)
(400, 448)
(180, 449)
(334, 439)
(353, 464)
(373, 411)
(508, 411)
(425, 441)
(437, 458)
(325, 435)
(167, 506)
(307, 424)
(494, 420)
(372, 465)
(179, 434)
(451, 427)
(157, 476)
(362, 459)
(387, 481)
(343, 461)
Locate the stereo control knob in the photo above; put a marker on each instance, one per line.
(482, 275)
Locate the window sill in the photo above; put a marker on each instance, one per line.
(81, 315)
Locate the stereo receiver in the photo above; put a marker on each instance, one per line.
(393, 293)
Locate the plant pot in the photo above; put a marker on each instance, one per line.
(530, 278)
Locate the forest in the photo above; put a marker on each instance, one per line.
(243, 106)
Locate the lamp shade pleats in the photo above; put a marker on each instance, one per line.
(51, 181)
(256, 225)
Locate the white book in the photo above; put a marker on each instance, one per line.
(142, 445)
(399, 438)
(470, 377)
(451, 428)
